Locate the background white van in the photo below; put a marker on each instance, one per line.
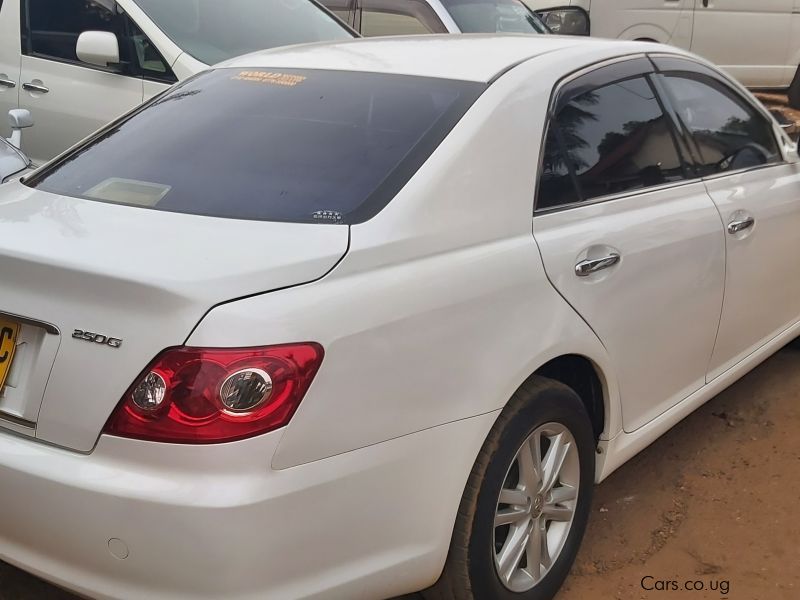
(756, 41)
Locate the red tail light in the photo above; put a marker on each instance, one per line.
(213, 395)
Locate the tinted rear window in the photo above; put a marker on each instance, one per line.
(275, 145)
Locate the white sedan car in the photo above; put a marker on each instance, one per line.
(341, 321)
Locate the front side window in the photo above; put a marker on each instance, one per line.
(398, 17)
(609, 140)
(494, 16)
(729, 133)
(51, 29)
(287, 145)
(213, 31)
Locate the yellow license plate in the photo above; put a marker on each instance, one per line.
(8, 343)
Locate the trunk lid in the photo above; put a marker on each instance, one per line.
(103, 272)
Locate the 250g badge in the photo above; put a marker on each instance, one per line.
(96, 338)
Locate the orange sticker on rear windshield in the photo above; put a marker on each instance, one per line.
(271, 78)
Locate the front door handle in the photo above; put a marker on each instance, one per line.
(33, 87)
(7, 83)
(735, 227)
(587, 267)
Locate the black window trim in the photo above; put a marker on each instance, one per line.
(168, 78)
(665, 103)
(606, 72)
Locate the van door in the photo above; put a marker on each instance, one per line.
(663, 21)
(793, 58)
(748, 39)
(9, 61)
(70, 99)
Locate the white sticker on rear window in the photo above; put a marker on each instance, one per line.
(328, 216)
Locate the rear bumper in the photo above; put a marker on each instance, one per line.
(216, 521)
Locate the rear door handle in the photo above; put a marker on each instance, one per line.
(33, 87)
(735, 227)
(587, 267)
(8, 83)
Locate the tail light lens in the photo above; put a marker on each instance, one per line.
(214, 395)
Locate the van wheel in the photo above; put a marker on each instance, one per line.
(794, 91)
(526, 503)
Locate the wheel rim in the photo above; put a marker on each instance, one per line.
(536, 507)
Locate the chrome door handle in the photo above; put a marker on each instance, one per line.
(8, 83)
(32, 87)
(735, 227)
(587, 267)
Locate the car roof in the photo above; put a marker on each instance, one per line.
(471, 57)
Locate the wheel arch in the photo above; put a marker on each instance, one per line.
(585, 378)
(645, 31)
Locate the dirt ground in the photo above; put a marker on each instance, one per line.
(712, 506)
(715, 501)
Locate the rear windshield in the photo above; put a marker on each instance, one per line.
(494, 16)
(215, 30)
(291, 145)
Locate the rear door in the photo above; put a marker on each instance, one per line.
(748, 39)
(758, 197)
(629, 238)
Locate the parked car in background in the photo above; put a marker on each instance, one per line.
(342, 321)
(78, 64)
(405, 17)
(756, 42)
(13, 161)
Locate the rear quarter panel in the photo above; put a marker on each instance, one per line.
(442, 308)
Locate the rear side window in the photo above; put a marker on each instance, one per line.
(343, 9)
(729, 133)
(494, 16)
(398, 17)
(277, 145)
(609, 140)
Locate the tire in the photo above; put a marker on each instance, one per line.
(478, 548)
(794, 92)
